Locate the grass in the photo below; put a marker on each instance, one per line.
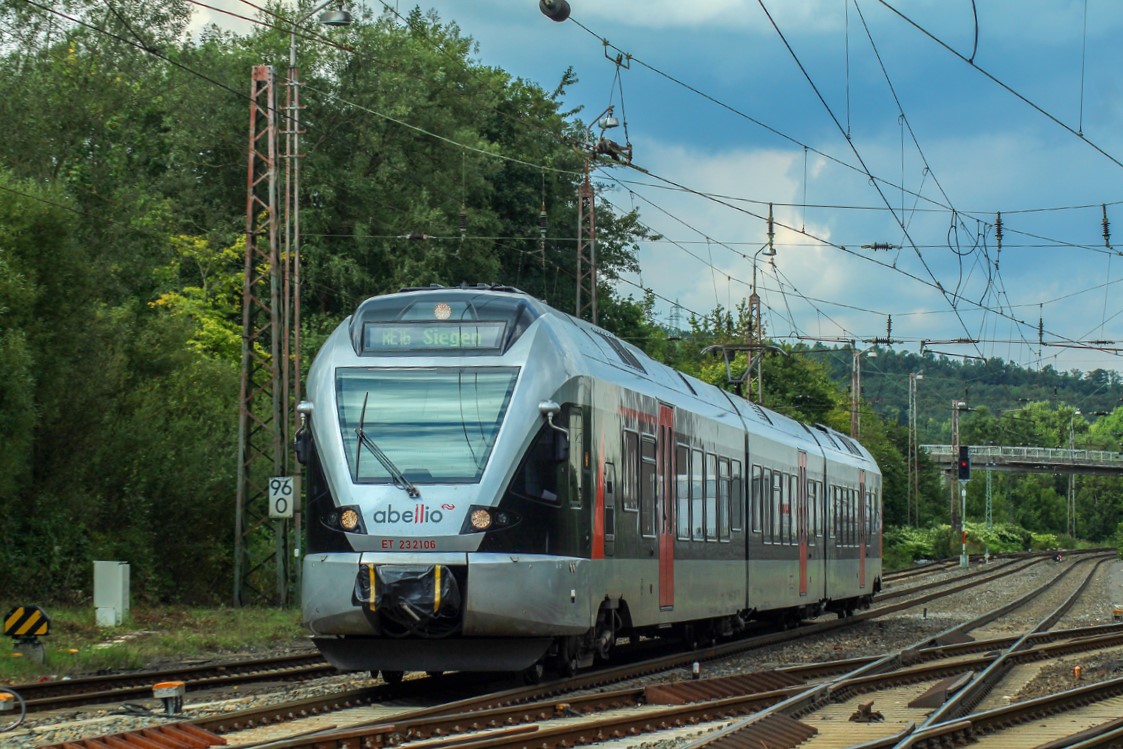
(77, 646)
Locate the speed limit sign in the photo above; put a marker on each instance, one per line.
(283, 491)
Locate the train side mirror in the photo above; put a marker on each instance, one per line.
(550, 409)
(302, 441)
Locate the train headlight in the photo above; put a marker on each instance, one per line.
(482, 518)
(349, 520)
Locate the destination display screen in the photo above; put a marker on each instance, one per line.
(388, 337)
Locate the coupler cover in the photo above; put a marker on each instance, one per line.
(422, 600)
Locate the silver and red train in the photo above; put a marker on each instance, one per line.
(496, 485)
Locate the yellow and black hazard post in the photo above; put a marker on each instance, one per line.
(26, 624)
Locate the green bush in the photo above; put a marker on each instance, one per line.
(904, 546)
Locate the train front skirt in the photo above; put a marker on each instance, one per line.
(450, 654)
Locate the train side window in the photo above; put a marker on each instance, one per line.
(832, 505)
(579, 459)
(724, 500)
(869, 514)
(850, 504)
(667, 508)
(682, 485)
(766, 505)
(793, 507)
(756, 498)
(737, 497)
(865, 516)
(848, 515)
(711, 497)
(629, 487)
(812, 512)
(538, 475)
(852, 517)
(822, 489)
(777, 507)
(877, 511)
(647, 485)
(697, 498)
(813, 501)
(609, 502)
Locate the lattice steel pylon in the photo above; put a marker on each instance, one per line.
(261, 421)
(586, 249)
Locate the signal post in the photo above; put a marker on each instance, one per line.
(964, 469)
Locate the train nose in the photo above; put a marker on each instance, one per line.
(410, 599)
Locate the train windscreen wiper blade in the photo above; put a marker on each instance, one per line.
(396, 474)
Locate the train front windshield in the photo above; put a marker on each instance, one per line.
(433, 425)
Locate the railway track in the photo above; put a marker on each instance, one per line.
(88, 690)
(554, 715)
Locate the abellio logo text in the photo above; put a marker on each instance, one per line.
(419, 514)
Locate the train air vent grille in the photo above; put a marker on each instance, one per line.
(826, 432)
(625, 355)
(850, 444)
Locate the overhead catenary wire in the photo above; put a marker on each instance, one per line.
(1010, 89)
(854, 149)
(987, 264)
(523, 162)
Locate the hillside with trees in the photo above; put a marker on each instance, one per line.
(122, 238)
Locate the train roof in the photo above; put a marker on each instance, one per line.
(482, 307)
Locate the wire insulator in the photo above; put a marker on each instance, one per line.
(463, 221)
(998, 230)
(542, 221)
(771, 229)
(1107, 227)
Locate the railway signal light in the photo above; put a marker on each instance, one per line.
(964, 463)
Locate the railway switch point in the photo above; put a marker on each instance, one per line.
(171, 694)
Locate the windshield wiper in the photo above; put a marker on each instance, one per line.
(396, 474)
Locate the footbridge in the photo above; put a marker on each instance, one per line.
(1030, 459)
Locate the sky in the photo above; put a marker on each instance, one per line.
(905, 125)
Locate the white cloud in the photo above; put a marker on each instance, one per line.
(224, 14)
(809, 15)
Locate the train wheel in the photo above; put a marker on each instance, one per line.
(567, 663)
(690, 637)
(534, 674)
(393, 677)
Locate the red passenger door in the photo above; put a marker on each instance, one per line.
(801, 521)
(665, 503)
(863, 529)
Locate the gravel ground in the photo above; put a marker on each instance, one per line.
(867, 638)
